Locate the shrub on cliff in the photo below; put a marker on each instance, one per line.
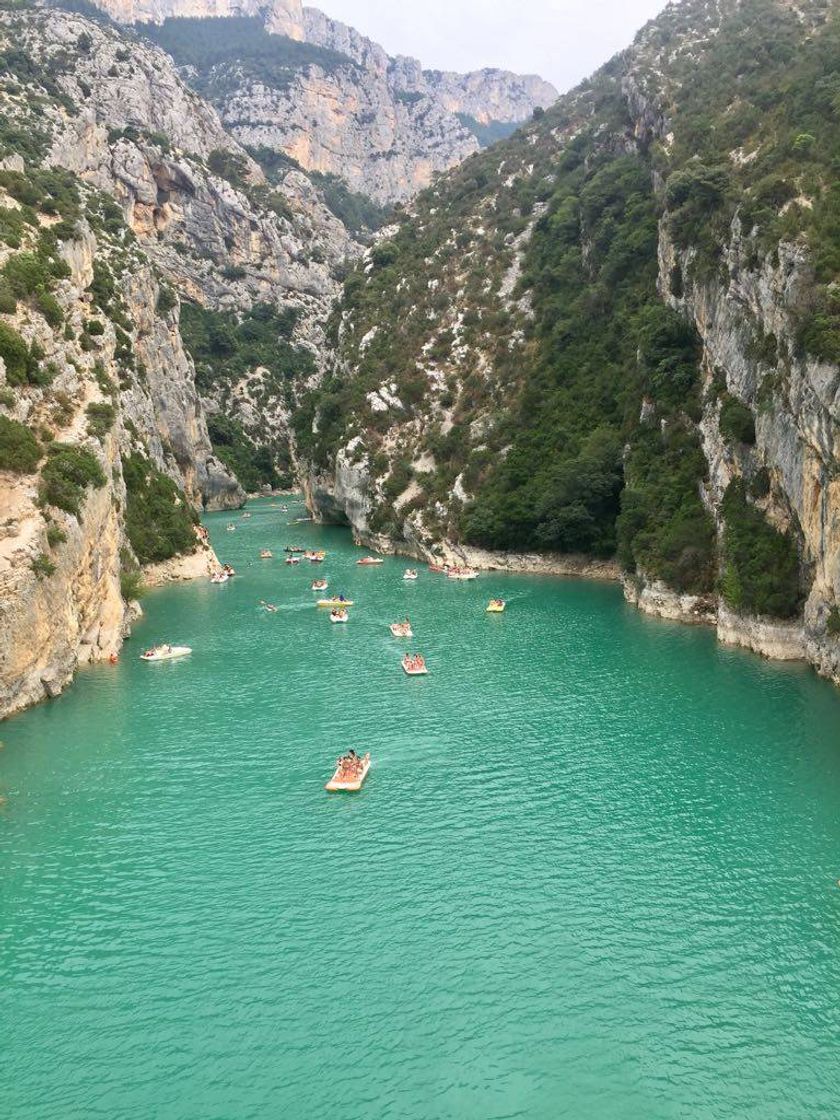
(68, 472)
(737, 423)
(761, 573)
(19, 449)
(158, 518)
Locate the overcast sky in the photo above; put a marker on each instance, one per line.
(562, 40)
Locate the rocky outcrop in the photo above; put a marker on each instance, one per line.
(382, 124)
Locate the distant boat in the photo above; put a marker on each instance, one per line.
(316, 557)
(414, 665)
(438, 568)
(339, 616)
(165, 653)
(496, 606)
(462, 573)
(292, 559)
(335, 602)
(401, 629)
(410, 573)
(219, 577)
(369, 561)
(349, 780)
(319, 585)
(266, 554)
(230, 528)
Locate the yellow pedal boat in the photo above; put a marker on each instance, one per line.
(496, 606)
(339, 603)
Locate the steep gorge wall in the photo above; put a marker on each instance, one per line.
(385, 478)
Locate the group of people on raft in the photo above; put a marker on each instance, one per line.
(348, 767)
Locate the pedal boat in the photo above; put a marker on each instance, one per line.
(315, 557)
(219, 577)
(319, 585)
(292, 559)
(412, 668)
(496, 606)
(462, 573)
(165, 653)
(369, 561)
(353, 785)
(336, 604)
(400, 630)
(339, 616)
(438, 568)
(266, 554)
(409, 574)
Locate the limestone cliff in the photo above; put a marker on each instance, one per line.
(339, 105)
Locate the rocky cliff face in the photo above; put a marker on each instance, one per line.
(619, 332)
(109, 209)
(343, 107)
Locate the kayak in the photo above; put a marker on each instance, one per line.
(165, 653)
(335, 603)
(352, 785)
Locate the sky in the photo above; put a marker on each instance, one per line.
(561, 40)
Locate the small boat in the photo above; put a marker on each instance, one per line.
(292, 559)
(266, 554)
(369, 561)
(301, 520)
(496, 606)
(284, 509)
(462, 573)
(245, 516)
(230, 529)
(347, 779)
(339, 603)
(270, 607)
(293, 550)
(410, 573)
(228, 570)
(319, 585)
(165, 653)
(316, 557)
(219, 577)
(339, 616)
(438, 568)
(401, 629)
(414, 665)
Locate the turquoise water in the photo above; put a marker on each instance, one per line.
(592, 872)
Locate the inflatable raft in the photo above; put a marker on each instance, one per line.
(336, 784)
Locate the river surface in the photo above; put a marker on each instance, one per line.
(592, 873)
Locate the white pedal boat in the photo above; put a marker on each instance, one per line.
(409, 574)
(352, 785)
(165, 653)
(339, 616)
(414, 666)
(220, 577)
(401, 630)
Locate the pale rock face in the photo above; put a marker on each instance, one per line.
(382, 124)
(283, 17)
